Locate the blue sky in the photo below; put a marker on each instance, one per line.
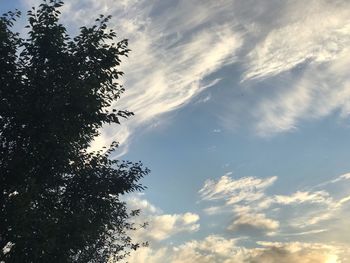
(242, 114)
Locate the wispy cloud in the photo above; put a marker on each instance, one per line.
(248, 201)
(321, 90)
(173, 52)
(304, 197)
(235, 191)
(317, 32)
(312, 40)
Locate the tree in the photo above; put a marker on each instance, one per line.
(59, 201)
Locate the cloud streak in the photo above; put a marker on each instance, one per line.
(318, 33)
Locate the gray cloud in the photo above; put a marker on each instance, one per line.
(254, 224)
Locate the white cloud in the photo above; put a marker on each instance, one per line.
(148, 255)
(317, 32)
(246, 189)
(317, 35)
(311, 208)
(215, 244)
(281, 113)
(136, 201)
(217, 249)
(256, 211)
(160, 226)
(211, 249)
(303, 197)
(341, 178)
(321, 90)
(311, 232)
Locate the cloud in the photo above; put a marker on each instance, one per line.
(304, 197)
(254, 224)
(246, 189)
(211, 249)
(321, 90)
(257, 212)
(318, 32)
(160, 226)
(298, 223)
(313, 48)
(311, 208)
(311, 232)
(293, 252)
(341, 178)
(217, 249)
(148, 255)
(163, 226)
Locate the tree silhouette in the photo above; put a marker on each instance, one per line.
(59, 201)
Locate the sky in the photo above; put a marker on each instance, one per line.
(242, 114)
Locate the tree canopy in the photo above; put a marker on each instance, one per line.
(59, 201)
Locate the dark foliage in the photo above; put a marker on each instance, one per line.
(60, 202)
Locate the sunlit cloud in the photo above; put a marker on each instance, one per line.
(235, 191)
(294, 252)
(303, 197)
(251, 219)
(248, 201)
(318, 32)
(217, 249)
(321, 90)
(313, 40)
(160, 226)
